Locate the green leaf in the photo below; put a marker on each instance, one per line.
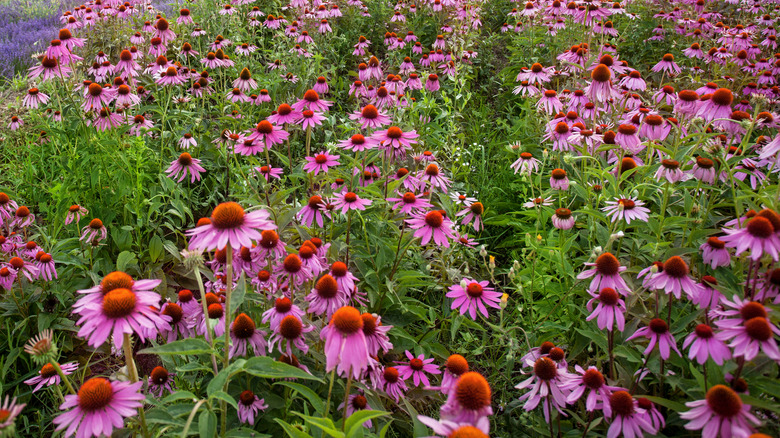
(221, 395)
(760, 403)
(155, 248)
(419, 428)
(292, 431)
(125, 259)
(183, 347)
(356, 420)
(675, 406)
(268, 368)
(311, 396)
(179, 395)
(385, 428)
(219, 381)
(237, 296)
(207, 424)
(326, 424)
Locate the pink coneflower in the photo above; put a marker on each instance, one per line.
(409, 202)
(358, 143)
(22, 217)
(321, 163)
(49, 68)
(550, 103)
(606, 274)
(346, 201)
(163, 31)
(626, 209)
(562, 219)
(376, 334)
(593, 381)
(249, 405)
(704, 345)
(538, 202)
(433, 176)
(269, 172)
(470, 295)
(230, 224)
(750, 332)
(720, 413)
(432, 225)
(667, 65)
(282, 307)
(758, 235)
(311, 100)
(559, 180)
(610, 310)
(714, 253)
(309, 119)
(547, 386)
(313, 211)
(630, 419)
(243, 332)
(392, 384)
(718, 106)
(48, 376)
(183, 165)
(45, 265)
(269, 134)
(600, 89)
(99, 407)
(34, 98)
(75, 213)
(125, 309)
(704, 170)
(370, 117)
(416, 368)
(357, 402)
(326, 297)
(187, 141)
(395, 141)
(160, 381)
(97, 97)
(180, 324)
(345, 279)
(345, 343)
(526, 164)
(95, 231)
(657, 331)
(674, 279)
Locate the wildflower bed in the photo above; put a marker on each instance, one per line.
(447, 218)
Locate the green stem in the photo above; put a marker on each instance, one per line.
(63, 377)
(209, 330)
(346, 399)
(132, 372)
(226, 361)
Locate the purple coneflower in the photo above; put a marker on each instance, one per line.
(183, 165)
(320, 163)
(416, 368)
(249, 405)
(370, 117)
(606, 274)
(705, 345)
(657, 331)
(626, 209)
(346, 201)
(48, 376)
(99, 407)
(548, 387)
(562, 219)
(243, 332)
(230, 224)
(720, 413)
(95, 231)
(470, 295)
(432, 225)
(630, 419)
(610, 310)
(345, 343)
(160, 381)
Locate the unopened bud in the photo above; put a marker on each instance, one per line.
(504, 301)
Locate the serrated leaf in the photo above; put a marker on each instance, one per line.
(183, 347)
